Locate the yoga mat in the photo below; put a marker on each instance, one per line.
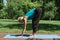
(28, 36)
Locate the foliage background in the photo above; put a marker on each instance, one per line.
(15, 8)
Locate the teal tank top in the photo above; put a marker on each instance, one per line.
(30, 13)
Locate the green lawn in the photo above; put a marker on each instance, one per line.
(45, 26)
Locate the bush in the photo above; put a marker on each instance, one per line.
(2, 14)
(1, 6)
(50, 10)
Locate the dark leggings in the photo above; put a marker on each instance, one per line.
(36, 18)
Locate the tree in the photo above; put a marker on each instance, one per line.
(1, 4)
(57, 2)
(1, 1)
(50, 10)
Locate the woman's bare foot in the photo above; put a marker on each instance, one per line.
(33, 34)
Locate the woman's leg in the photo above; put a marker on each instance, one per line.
(35, 20)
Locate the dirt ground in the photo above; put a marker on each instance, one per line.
(3, 34)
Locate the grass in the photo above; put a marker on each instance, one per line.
(45, 26)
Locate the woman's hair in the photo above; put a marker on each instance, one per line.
(20, 19)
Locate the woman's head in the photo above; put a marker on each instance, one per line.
(20, 19)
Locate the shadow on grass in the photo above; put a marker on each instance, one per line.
(47, 27)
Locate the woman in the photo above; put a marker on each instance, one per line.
(35, 15)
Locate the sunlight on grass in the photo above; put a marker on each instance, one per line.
(46, 26)
(6, 30)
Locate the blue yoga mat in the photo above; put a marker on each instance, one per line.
(28, 36)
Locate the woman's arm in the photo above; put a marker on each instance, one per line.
(25, 24)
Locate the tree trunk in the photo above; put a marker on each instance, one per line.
(50, 18)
